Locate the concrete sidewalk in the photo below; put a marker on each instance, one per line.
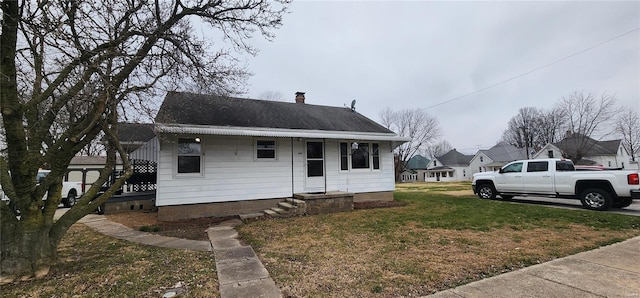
(101, 224)
(609, 271)
(240, 271)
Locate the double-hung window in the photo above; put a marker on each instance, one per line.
(189, 155)
(357, 156)
(266, 149)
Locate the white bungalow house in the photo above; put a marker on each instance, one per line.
(452, 166)
(495, 157)
(415, 169)
(223, 156)
(610, 154)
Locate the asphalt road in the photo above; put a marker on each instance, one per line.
(633, 209)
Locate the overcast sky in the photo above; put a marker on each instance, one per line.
(429, 55)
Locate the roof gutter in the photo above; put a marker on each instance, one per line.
(279, 133)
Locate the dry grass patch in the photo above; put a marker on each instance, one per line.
(94, 265)
(308, 257)
(434, 243)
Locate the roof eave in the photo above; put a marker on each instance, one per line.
(279, 133)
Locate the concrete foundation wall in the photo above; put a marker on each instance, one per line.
(128, 206)
(373, 196)
(327, 202)
(315, 204)
(172, 213)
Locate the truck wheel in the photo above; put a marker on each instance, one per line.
(596, 199)
(486, 191)
(70, 200)
(621, 203)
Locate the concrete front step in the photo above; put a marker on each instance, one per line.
(286, 206)
(289, 207)
(251, 217)
(295, 201)
(270, 212)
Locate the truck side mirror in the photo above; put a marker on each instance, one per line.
(501, 171)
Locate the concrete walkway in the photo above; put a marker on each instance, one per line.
(609, 271)
(240, 271)
(101, 224)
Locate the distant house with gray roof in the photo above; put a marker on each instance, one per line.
(222, 156)
(452, 166)
(610, 153)
(495, 157)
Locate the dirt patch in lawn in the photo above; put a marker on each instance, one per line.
(459, 193)
(377, 204)
(194, 229)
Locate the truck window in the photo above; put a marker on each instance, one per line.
(537, 166)
(513, 168)
(564, 165)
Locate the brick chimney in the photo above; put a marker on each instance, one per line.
(299, 97)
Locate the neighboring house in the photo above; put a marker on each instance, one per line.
(415, 169)
(223, 156)
(495, 157)
(132, 136)
(452, 166)
(610, 154)
(409, 175)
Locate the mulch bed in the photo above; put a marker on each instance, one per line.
(195, 229)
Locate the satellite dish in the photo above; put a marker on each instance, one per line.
(353, 105)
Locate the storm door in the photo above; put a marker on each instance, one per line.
(314, 180)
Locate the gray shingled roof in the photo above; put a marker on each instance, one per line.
(135, 132)
(212, 110)
(504, 152)
(454, 158)
(593, 147)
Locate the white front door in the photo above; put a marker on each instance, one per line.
(314, 169)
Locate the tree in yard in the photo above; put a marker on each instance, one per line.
(587, 115)
(439, 149)
(533, 128)
(272, 95)
(522, 128)
(71, 70)
(422, 128)
(549, 127)
(628, 126)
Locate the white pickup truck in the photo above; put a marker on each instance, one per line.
(70, 190)
(597, 189)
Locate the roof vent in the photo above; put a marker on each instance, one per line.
(299, 97)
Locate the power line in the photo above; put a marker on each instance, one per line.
(533, 70)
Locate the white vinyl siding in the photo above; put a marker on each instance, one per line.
(231, 172)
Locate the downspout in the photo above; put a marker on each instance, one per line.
(292, 188)
(324, 163)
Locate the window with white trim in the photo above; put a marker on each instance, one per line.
(344, 157)
(375, 155)
(266, 149)
(357, 156)
(189, 156)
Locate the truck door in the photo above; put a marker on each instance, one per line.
(537, 178)
(510, 178)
